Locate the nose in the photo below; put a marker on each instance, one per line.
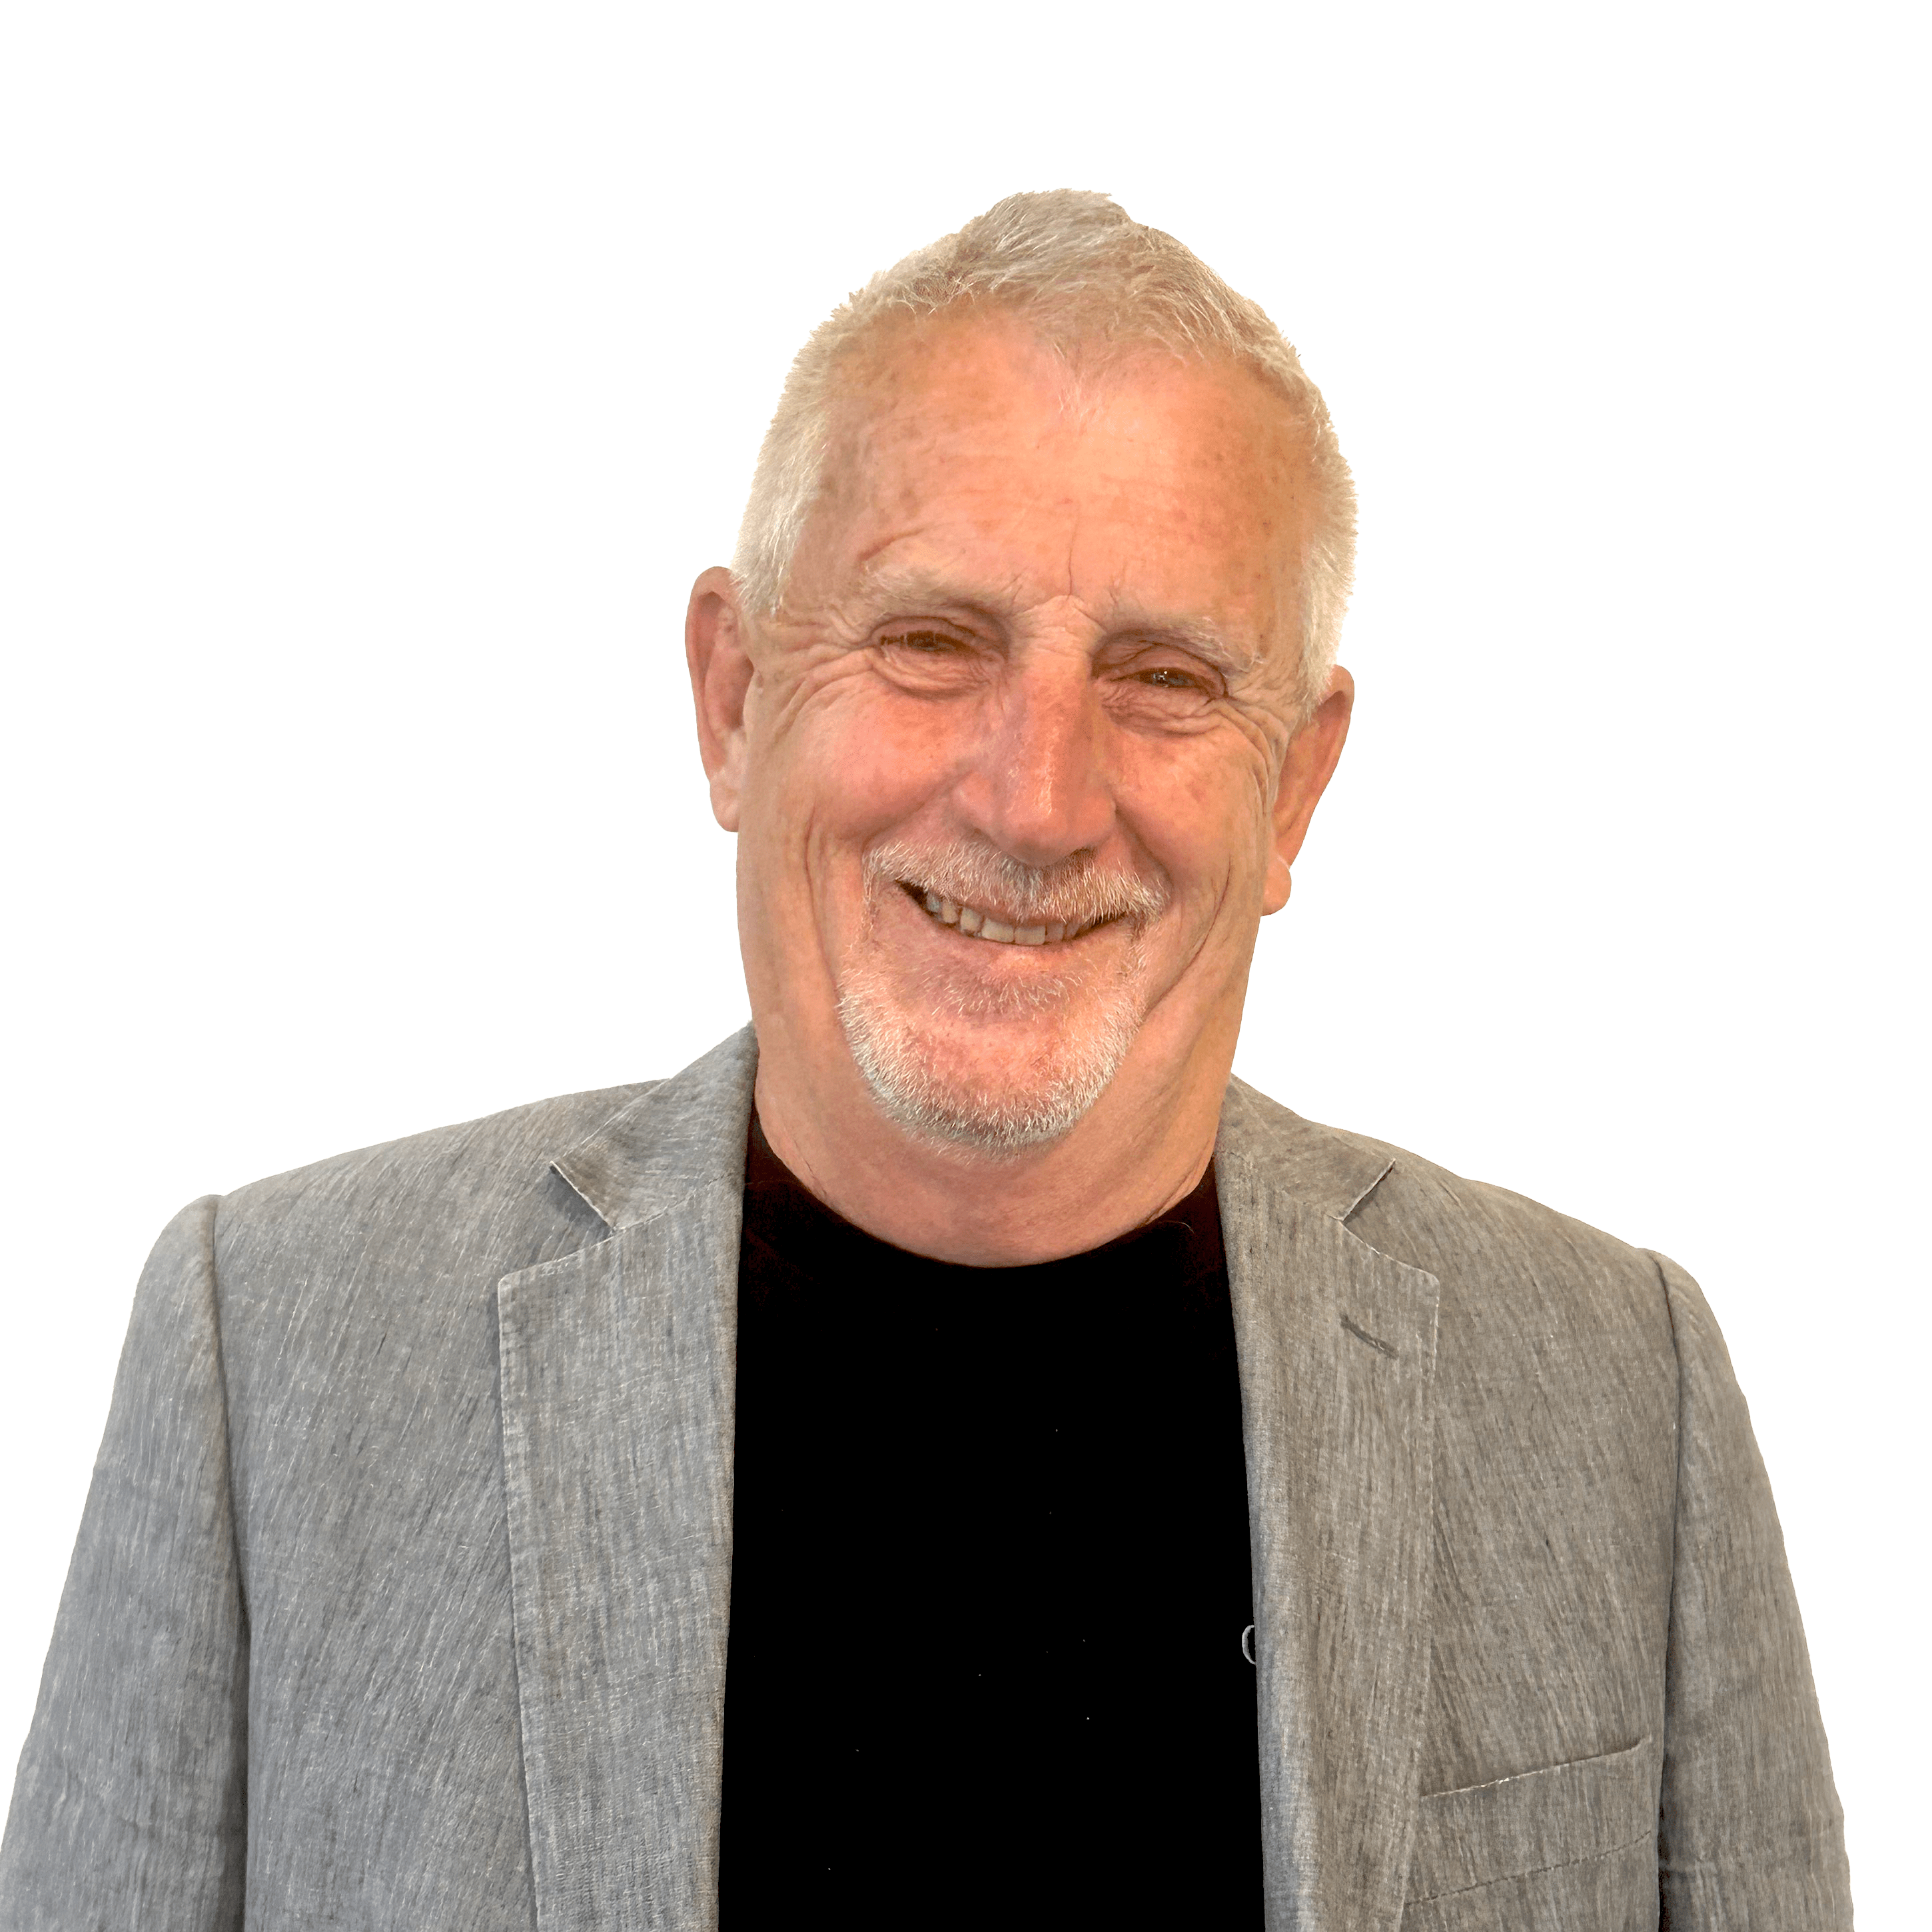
(1037, 784)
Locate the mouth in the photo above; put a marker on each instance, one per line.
(975, 923)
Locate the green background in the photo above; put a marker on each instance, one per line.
(378, 377)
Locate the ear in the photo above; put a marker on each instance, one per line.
(716, 650)
(1305, 772)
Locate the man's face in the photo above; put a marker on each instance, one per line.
(1009, 792)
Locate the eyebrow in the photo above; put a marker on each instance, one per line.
(892, 584)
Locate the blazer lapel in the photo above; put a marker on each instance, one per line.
(618, 1372)
(1337, 1348)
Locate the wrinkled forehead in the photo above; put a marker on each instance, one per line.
(1135, 474)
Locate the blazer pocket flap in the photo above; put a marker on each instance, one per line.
(1534, 1821)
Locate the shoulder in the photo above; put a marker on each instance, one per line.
(1556, 1380)
(493, 1140)
(439, 1218)
(1497, 1254)
(355, 1301)
(479, 1194)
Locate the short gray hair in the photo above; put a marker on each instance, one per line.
(1079, 270)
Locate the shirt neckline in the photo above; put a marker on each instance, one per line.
(1189, 1230)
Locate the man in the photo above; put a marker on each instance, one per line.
(952, 1455)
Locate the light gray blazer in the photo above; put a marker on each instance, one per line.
(400, 1598)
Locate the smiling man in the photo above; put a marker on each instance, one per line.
(952, 1455)
(1019, 748)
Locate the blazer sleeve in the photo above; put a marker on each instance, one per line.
(130, 1809)
(1750, 1830)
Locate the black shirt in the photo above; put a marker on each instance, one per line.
(990, 1579)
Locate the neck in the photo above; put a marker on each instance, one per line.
(1143, 1146)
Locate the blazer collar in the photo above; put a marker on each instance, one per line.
(684, 1135)
(618, 1382)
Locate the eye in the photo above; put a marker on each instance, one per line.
(933, 659)
(1160, 687)
(931, 642)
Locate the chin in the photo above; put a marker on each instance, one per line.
(1013, 1075)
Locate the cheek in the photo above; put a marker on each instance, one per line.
(1201, 813)
(860, 763)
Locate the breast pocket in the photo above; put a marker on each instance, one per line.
(1573, 1847)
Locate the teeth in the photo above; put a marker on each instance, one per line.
(970, 920)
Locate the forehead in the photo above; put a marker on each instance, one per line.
(966, 449)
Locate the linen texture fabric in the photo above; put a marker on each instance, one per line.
(400, 1600)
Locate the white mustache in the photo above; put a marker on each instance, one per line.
(1074, 892)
